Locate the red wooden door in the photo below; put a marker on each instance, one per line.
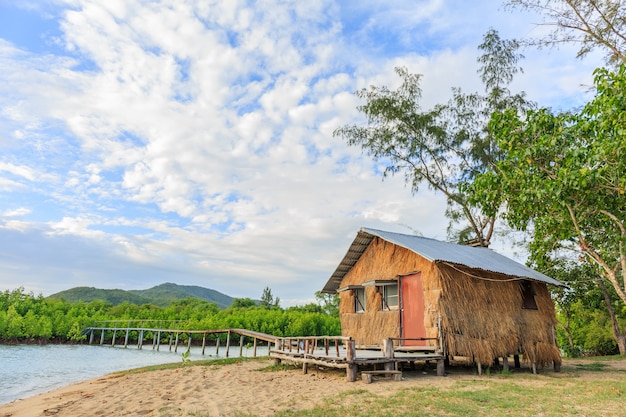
(412, 309)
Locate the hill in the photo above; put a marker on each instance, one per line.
(161, 295)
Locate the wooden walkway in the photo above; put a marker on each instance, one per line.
(325, 351)
(109, 332)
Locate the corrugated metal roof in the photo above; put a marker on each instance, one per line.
(435, 251)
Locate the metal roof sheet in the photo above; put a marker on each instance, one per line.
(435, 251)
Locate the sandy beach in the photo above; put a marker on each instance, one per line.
(243, 388)
(212, 390)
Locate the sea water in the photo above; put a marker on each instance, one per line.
(27, 370)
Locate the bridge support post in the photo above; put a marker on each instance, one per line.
(351, 370)
(203, 342)
(176, 344)
(227, 342)
(91, 336)
(240, 344)
(140, 340)
(113, 340)
(189, 343)
(126, 338)
(102, 337)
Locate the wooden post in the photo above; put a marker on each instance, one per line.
(140, 340)
(326, 346)
(217, 345)
(277, 346)
(126, 338)
(102, 337)
(505, 364)
(351, 370)
(254, 349)
(113, 340)
(557, 366)
(534, 368)
(480, 368)
(203, 342)
(158, 340)
(189, 343)
(91, 336)
(240, 345)
(227, 342)
(176, 344)
(441, 367)
(388, 354)
(517, 362)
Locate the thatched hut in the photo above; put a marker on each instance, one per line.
(468, 302)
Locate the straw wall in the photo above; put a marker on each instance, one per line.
(383, 261)
(482, 318)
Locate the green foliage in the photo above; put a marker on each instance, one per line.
(25, 317)
(444, 147)
(268, 300)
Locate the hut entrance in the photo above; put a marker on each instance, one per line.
(412, 309)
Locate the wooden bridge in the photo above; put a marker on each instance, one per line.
(172, 335)
(325, 351)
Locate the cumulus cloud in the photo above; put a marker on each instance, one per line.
(192, 141)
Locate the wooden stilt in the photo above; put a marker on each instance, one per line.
(217, 346)
(126, 338)
(240, 345)
(170, 342)
(113, 340)
(480, 368)
(227, 343)
(158, 343)
(254, 349)
(189, 343)
(388, 354)
(176, 343)
(534, 365)
(517, 362)
(505, 364)
(203, 342)
(102, 338)
(441, 367)
(91, 336)
(557, 366)
(140, 340)
(351, 370)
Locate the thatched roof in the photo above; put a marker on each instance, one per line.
(476, 258)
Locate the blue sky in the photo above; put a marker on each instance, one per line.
(144, 142)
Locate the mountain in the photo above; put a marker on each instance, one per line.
(161, 295)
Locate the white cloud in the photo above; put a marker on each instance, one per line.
(192, 141)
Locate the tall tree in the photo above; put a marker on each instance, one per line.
(447, 145)
(563, 176)
(589, 23)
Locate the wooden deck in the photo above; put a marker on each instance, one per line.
(341, 352)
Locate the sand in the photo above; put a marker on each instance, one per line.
(224, 390)
(244, 388)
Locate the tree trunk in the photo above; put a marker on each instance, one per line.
(618, 334)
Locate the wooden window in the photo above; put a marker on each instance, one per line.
(390, 297)
(359, 300)
(528, 296)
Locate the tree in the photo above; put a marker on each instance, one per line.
(328, 302)
(563, 177)
(446, 146)
(268, 300)
(590, 23)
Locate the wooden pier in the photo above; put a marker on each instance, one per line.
(325, 351)
(108, 332)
